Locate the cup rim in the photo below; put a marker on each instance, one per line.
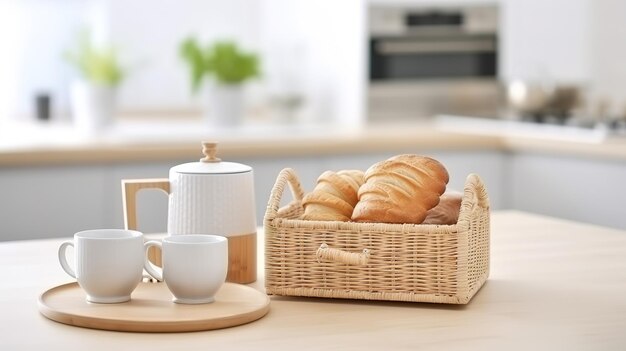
(194, 239)
(108, 234)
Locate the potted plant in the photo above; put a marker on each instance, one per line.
(227, 67)
(93, 95)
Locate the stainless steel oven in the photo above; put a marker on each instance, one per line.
(425, 61)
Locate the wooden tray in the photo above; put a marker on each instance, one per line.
(151, 309)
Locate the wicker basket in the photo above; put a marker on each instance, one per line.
(376, 261)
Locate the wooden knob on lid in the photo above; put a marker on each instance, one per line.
(209, 149)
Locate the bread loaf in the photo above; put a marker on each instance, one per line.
(447, 211)
(400, 190)
(334, 196)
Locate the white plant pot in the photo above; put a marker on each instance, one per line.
(225, 105)
(93, 106)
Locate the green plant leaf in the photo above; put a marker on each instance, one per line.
(230, 65)
(190, 51)
(98, 65)
(223, 60)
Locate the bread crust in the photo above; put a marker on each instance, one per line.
(400, 189)
(447, 211)
(334, 196)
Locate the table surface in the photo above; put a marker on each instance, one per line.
(554, 284)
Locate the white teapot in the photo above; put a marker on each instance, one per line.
(207, 197)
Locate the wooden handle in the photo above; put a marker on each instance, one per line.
(129, 197)
(286, 176)
(129, 191)
(329, 254)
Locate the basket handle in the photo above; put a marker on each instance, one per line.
(474, 194)
(286, 176)
(329, 254)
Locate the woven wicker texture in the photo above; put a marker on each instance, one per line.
(376, 261)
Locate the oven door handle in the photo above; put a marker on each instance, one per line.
(413, 47)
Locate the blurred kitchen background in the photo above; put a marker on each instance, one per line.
(468, 65)
(347, 62)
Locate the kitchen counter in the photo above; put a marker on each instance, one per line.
(554, 285)
(145, 141)
(29, 145)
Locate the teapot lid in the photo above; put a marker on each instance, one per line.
(211, 164)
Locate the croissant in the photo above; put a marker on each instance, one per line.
(400, 189)
(334, 196)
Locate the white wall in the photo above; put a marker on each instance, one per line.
(150, 32)
(608, 53)
(33, 36)
(326, 36)
(319, 48)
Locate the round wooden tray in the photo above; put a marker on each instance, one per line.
(151, 309)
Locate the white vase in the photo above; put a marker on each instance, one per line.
(93, 106)
(225, 105)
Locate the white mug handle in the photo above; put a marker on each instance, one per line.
(63, 259)
(154, 272)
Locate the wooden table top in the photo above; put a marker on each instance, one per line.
(554, 285)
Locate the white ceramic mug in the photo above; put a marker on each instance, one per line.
(109, 263)
(194, 266)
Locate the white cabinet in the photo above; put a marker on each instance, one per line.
(44, 202)
(41, 202)
(546, 41)
(583, 190)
